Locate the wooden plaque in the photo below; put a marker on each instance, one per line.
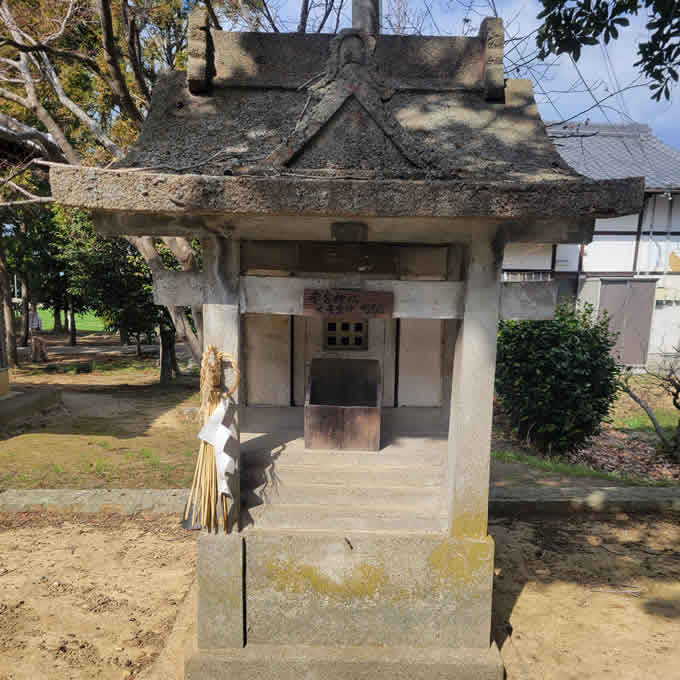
(348, 304)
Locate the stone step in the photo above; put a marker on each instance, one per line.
(417, 475)
(324, 518)
(361, 498)
(263, 450)
(290, 662)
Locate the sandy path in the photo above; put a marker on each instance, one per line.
(86, 599)
(99, 598)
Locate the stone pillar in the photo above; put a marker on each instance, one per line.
(474, 368)
(366, 16)
(222, 328)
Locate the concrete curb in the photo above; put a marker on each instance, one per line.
(537, 501)
(123, 501)
(503, 502)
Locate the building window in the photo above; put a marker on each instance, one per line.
(340, 334)
(521, 276)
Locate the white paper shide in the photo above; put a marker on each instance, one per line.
(217, 432)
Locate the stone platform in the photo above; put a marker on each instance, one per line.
(346, 605)
(262, 662)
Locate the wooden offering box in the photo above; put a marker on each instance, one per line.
(342, 405)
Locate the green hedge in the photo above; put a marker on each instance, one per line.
(557, 379)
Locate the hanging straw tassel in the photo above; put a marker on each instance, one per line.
(203, 505)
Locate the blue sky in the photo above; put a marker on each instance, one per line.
(605, 69)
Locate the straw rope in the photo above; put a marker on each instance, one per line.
(208, 509)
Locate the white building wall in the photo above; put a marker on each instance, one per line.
(625, 223)
(609, 253)
(665, 335)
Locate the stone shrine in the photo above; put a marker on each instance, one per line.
(353, 195)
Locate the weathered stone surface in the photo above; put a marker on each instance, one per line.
(273, 662)
(199, 66)
(290, 60)
(367, 589)
(220, 591)
(492, 33)
(474, 366)
(149, 193)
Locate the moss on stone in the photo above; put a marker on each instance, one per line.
(455, 565)
(364, 581)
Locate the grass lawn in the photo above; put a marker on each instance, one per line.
(120, 428)
(557, 466)
(85, 322)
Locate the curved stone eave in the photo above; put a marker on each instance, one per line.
(149, 193)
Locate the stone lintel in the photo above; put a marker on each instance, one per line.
(412, 299)
(150, 193)
(406, 230)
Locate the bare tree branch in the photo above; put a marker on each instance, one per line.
(213, 17)
(86, 120)
(112, 58)
(625, 386)
(134, 53)
(269, 17)
(71, 55)
(304, 17)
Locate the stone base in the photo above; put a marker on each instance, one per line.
(351, 589)
(262, 662)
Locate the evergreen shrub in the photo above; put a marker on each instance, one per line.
(557, 379)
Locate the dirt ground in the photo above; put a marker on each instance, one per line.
(84, 597)
(98, 598)
(588, 599)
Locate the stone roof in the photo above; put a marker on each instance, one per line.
(351, 125)
(615, 151)
(384, 106)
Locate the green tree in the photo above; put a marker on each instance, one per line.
(568, 25)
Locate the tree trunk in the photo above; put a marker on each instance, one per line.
(674, 450)
(25, 328)
(666, 443)
(72, 322)
(124, 336)
(138, 338)
(58, 328)
(173, 356)
(8, 315)
(167, 350)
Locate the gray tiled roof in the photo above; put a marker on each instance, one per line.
(617, 151)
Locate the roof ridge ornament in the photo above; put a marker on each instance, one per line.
(351, 72)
